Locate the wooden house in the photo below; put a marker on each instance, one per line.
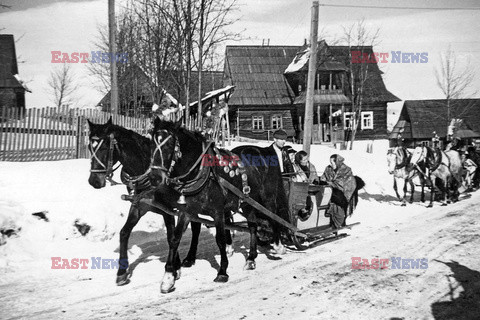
(12, 89)
(271, 92)
(138, 91)
(421, 120)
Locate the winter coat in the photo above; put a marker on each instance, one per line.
(302, 176)
(341, 178)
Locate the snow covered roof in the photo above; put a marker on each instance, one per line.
(216, 93)
(300, 60)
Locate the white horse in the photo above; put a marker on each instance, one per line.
(398, 160)
(445, 165)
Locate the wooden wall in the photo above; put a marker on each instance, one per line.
(245, 116)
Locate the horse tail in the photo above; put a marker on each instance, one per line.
(354, 200)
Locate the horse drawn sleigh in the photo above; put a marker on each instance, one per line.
(305, 230)
(185, 189)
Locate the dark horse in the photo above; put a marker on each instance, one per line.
(110, 144)
(179, 169)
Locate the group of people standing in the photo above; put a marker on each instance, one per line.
(298, 166)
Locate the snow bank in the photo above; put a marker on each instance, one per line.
(61, 189)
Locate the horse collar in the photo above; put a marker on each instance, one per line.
(404, 160)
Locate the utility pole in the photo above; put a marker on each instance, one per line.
(113, 55)
(312, 70)
(200, 65)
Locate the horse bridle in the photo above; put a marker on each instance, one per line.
(175, 157)
(158, 148)
(107, 169)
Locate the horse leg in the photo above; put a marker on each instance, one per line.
(170, 226)
(252, 254)
(168, 281)
(412, 188)
(432, 192)
(447, 186)
(192, 252)
(422, 196)
(220, 235)
(395, 187)
(134, 215)
(404, 202)
(229, 240)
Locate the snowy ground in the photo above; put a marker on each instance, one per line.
(315, 284)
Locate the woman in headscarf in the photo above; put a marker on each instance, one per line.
(339, 176)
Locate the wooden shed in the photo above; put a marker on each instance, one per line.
(420, 120)
(12, 89)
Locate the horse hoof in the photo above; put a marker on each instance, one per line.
(280, 248)
(430, 205)
(221, 278)
(179, 274)
(230, 250)
(404, 204)
(411, 201)
(123, 279)
(444, 205)
(250, 265)
(188, 263)
(168, 283)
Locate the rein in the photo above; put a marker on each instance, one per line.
(107, 169)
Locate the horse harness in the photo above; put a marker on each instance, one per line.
(205, 172)
(437, 156)
(405, 160)
(107, 169)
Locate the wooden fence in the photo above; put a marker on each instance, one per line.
(54, 133)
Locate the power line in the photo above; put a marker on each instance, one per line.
(396, 8)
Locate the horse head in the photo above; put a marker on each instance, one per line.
(104, 153)
(418, 155)
(165, 149)
(391, 160)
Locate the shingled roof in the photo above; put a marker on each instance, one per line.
(374, 90)
(420, 118)
(8, 63)
(257, 74)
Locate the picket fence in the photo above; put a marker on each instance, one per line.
(43, 134)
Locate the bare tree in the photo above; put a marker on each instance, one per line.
(62, 85)
(455, 83)
(163, 41)
(359, 38)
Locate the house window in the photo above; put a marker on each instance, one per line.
(257, 122)
(277, 122)
(348, 120)
(367, 120)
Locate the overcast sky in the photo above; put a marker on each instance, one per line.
(43, 26)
